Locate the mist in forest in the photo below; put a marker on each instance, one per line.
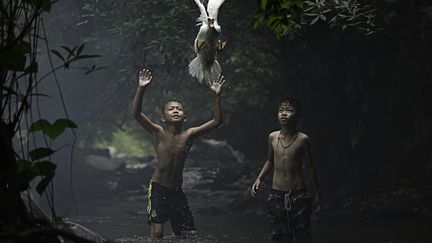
(366, 102)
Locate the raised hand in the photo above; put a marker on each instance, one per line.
(216, 86)
(144, 78)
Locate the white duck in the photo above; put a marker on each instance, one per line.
(204, 66)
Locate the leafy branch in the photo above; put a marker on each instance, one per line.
(286, 17)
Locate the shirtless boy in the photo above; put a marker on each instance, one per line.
(166, 199)
(289, 203)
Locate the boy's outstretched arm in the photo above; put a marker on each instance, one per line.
(216, 87)
(144, 80)
(268, 164)
(313, 175)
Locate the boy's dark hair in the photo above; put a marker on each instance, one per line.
(169, 101)
(294, 103)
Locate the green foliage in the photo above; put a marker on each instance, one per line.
(287, 17)
(20, 34)
(54, 130)
(39, 153)
(74, 54)
(128, 142)
(27, 171)
(159, 35)
(45, 181)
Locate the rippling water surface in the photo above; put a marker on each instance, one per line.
(125, 221)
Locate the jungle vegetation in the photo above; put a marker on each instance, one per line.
(362, 69)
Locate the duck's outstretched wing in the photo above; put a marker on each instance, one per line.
(203, 14)
(213, 8)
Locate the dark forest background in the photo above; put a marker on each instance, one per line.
(365, 83)
(362, 70)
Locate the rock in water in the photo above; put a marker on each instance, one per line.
(82, 231)
(69, 226)
(104, 163)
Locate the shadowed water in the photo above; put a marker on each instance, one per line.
(125, 221)
(218, 195)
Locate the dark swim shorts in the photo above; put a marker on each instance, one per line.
(289, 213)
(169, 204)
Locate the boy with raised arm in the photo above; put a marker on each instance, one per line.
(289, 203)
(166, 199)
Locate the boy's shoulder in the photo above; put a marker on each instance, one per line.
(303, 136)
(273, 134)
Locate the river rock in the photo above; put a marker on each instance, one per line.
(83, 232)
(214, 153)
(77, 229)
(104, 163)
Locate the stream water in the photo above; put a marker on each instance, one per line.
(125, 221)
(218, 196)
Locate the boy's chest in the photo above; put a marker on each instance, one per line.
(173, 143)
(286, 150)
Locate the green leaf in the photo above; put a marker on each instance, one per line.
(286, 5)
(23, 164)
(58, 54)
(66, 123)
(25, 173)
(273, 19)
(323, 17)
(333, 19)
(70, 51)
(80, 49)
(42, 185)
(87, 56)
(40, 153)
(258, 19)
(25, 177)
(315, 20)
(52, 131)
(264, 4)
(45, 167)
(59, 126)
(40, 125)
(92, 69)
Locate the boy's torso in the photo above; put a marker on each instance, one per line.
(288, 172)
(171, 151)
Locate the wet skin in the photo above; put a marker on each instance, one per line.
(287, 150)
(172, 148)
(287, 163)
(171, 142)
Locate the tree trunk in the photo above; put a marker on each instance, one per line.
(12, 208)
